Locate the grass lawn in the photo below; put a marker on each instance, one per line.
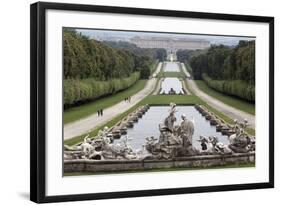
(246, 165)
(167, 99)
(171, 75)
(85, 110)
(229, 100)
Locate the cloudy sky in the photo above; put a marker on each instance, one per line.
(126, 35)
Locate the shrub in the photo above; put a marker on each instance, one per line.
(236, 88)
(80, 90)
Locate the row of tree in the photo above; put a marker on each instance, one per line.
(88, 58)
(93, 69)
(185, 55)
(77, 91)
(224, 62)
(221, 64)
(152, 53)
(238, 88)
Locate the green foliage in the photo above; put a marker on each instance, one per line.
(81, 90)
(161, 54)
(231, 70)
(152, 53)
(171, 75)
(145, 72)
(88, 58)
(185, 55)
(82, 111)
(94, 69)
(226, 63)
(236, 88)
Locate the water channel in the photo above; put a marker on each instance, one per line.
(148, 126)
(171, 67)
(171, 83)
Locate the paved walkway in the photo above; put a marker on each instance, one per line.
(185, 88)
(157, 90)
(158, 69)
(87, 124)
(187, 74)
(222, 107)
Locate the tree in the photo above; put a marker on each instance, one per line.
(227, 69)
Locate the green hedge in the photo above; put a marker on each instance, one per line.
(79, 90)
(236, 88)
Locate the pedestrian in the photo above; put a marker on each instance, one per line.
(98, 113)
(101, 112)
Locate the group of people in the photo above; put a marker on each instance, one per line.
(100, 112)
(127, 99)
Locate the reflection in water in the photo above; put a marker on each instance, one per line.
(171, 83)
(171, 67)
(148, 126)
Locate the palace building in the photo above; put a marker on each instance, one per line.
(170, 44)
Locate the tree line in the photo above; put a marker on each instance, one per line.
(230, 70)
(93, 69)
(152, 53)
(184, 55)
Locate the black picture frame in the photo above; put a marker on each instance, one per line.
(38, 100)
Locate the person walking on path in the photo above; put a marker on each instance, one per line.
(101, 112)
(98, 113)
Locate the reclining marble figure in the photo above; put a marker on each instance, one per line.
(101, 148)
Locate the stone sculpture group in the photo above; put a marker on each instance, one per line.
(174, 141)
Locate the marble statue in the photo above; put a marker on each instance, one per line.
(240, 141)
(174, 140)
(101, 148)
(171, 119)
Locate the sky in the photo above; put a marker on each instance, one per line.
(126, 35)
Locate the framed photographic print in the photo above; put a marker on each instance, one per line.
(129, 102)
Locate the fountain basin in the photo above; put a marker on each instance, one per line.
(202, 161)
(148, 126)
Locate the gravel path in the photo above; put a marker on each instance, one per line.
(187, 74)
(158, 69)
(185, 88)
(222, 107)
(87, 124)
(157, 90)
